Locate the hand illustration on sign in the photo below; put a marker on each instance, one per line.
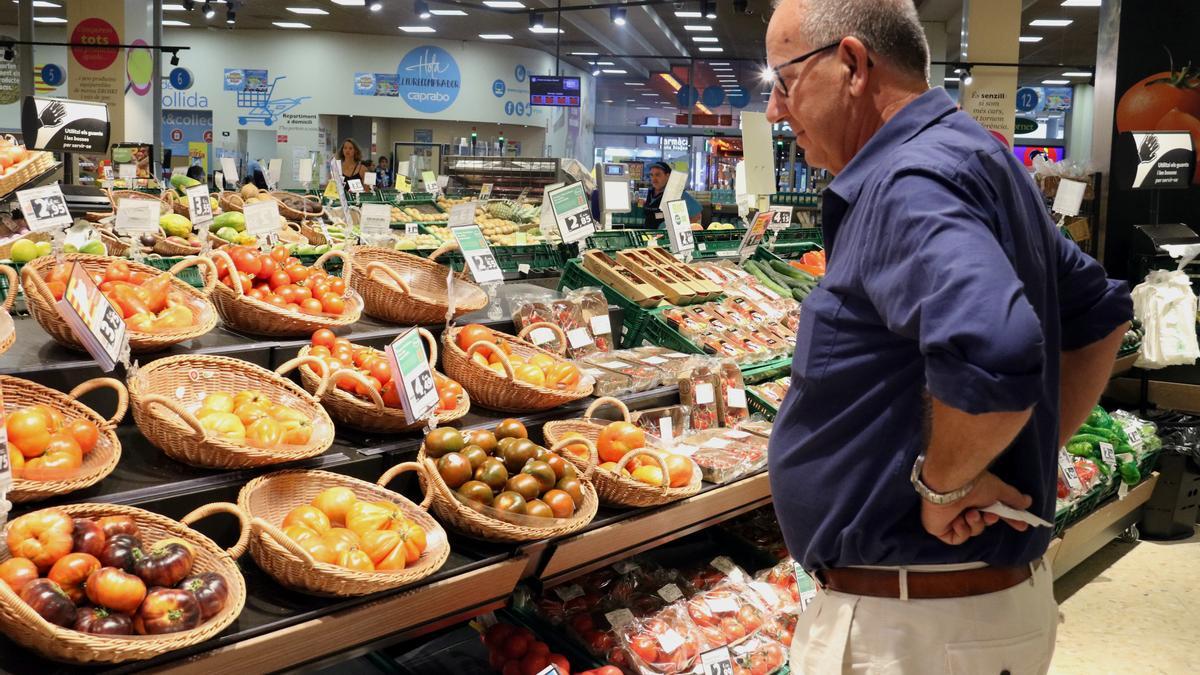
(1149, 149)
(53, 114)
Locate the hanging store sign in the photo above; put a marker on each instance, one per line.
(64, 125)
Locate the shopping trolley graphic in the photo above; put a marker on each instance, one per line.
(261, 107)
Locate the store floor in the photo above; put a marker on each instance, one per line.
(1131, 608)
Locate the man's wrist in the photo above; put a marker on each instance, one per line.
(936, 492)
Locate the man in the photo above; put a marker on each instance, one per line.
(383, 174)
(653, 209)
(954, 344)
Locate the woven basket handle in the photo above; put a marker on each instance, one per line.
(99, 383)
(203, 512)
(11, 295)
(642, 452)
(400, 468)
(558, 334)
(593, 459)
(313, 362)
(508, 369)
(233, 276)
(433, 348)
(607, 400)
(187, 417)
(31, 279)
(210, 279)
(261, 527)
(359, 378)
(335, 253)
(376, 266)
(294, 227)
(446, 247)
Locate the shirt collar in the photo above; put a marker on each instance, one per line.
(911, 120)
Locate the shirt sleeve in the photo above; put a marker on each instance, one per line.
(937, 274)
(1090, 305)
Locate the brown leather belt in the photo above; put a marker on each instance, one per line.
(923, 585)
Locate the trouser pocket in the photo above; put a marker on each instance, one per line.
(1024, 655)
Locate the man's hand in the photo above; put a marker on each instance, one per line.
(957, 522)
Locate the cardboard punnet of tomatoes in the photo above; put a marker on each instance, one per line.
(515, 650)
(279, 280)
(366, 373)
(105, 577)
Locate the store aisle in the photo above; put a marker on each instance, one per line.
(1130, 608)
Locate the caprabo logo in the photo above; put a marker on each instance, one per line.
(428, 79)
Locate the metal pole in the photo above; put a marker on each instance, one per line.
(25, 52)
(156, 17)
(557, 37)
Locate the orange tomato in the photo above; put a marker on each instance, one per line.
(380, 369)
(308, 516)
(333, 303)
(85, 433)
(355, 559)
(384, 545)
(319, 550)
(341, 539)
(264, 432)
(42, 536)
(363, 517)
(16, 572)
(29, 430)
(335, 502)
(679, 469)
(618, 438)
(562, 375)
(472, 333)
(300, 534)
(530, 373)
(337, 285)
(325, 338)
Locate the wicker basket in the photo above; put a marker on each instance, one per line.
(231, 201)
(98, 463)
(291, 234)
(402, 288)
(268, 499)
(373, 415)
(559, 341)
(116, 246)
(313, 233)
(503, 392)
(612, 487)
(159, 389)
(20, 623)
(35, 164)
(8, 331)
(293, 206)
(10, 295)
(475, 524)
(115, 196)
(244, 313)
(42, 304)
(170, 249)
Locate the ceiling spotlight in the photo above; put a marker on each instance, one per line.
(230, 15)
(209, 12)
(175, 58)
(967, 79)
(617, 14)
(536, 21)
(708, 9)
(422, 9)
(596, 72)
(189, 5)
(377, 5)
(8, 53)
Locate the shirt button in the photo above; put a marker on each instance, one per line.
(1005, 672)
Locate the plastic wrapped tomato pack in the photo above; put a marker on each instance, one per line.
(665, 644)
(727, 612)
(594, 308)
(698, 391)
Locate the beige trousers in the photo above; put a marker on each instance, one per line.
(1010, 632)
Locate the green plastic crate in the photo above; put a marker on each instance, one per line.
(768, 370)
(333, 266)
(611, 241)
(717, 243)
(189, 275)
(760, 405)
(539, 257)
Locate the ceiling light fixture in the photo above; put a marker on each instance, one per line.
(173, 7)
(421, 8)
(1081, 3)
(175, 57)
(585, 53)
(447, 12)
(495, 36)
(698, 28)
(617, 14)
(536, 22)
(1059, 82)
(1077, 73)
(683, 14)
(375, 6)
(170, 22)
(504, 4)
(49, 19)
(950, 79)
(546, 29)
(1030, 38)
(290, 24)
(1051, 23)
(209, 12)
(615, 71)
(596, 72)
(417, 29)
(189, 5)
(712, 49)
(708, 9)
(307, 10)
(705, 38)
(605, 63)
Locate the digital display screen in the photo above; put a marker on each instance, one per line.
(614, 170)
(1026, 153)
(554, 91)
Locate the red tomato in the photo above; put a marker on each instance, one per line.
(269, 265)
(277, 300)
(311, 306)
(325, 338)
(257, 294)
(447, 400)
(372, 383)
(288, 292)
(333, 304)
(292, 307)
(380, 369)
(297, 272)
(117, 270)
(279, 253)
(337, 285)
(472, 333)
(246, 261)
(279, 278)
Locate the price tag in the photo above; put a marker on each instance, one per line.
(485, 192)
(127, 171)
(804, 584)
(619, 617)
(219, 179)
(262, 218)
(1069, 197)
(704, 393)
(670, 640)
(274, 171)
(376, 219)
(721, 605)
(685, 450)
(654, 360)
(679, 227)
(1067, 467)
(766, 591)
(429, 181)
(754, 234)
(477, 254)
(369, 179)
(541, 335)
(410, 367)
(572, 212)
(138, 216)
(96, 323)
(781, 218)
(716, 662)
(550, 670)
(601, 325)
(355, 185)
(735, 397)
(304, 172)
(200, 207)
(666, 429)
(411, 229)
(568, 593)
(670, 593)
(723, 564)
(44, 207)
(717, 443)
(106, 172)
(461, 214)
(578, 338)
(736, 434)
(1108, 454)
(230, 169)
(522, 239)
(615, 365)
(523, 268)
(1133, 431)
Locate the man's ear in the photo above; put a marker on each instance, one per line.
(856, 58)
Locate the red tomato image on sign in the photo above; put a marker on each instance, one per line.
(95, 31)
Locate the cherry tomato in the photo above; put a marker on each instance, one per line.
(269, 265)
(279, 278)
(333, 304)
(337, 285)
(297, 272)
(325, 338)
(311, 306)
(279, 253)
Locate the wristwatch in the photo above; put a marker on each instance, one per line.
(938, 498)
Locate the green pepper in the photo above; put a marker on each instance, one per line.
(1108, 434)
(1098, 418)
(1093, 440)
(1130, 473)
(1080, 448)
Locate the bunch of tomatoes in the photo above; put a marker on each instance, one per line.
(42, 445)
(338, 528)
(281, 280)
(504, 470)
(619, 438)
(337, 353)
(147, 302)
(96, 576)
(539, 370)
(515, 650)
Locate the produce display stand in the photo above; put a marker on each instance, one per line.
(1092, 532)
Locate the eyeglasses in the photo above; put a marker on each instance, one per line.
(776, 77)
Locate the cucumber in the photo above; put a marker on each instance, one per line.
(756, 270)
(789, 271)
(799, 295)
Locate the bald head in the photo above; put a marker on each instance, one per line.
(890, 28)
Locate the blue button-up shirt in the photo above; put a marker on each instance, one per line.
(947, 276)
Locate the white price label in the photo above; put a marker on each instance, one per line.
(766, 591)
(568, 593)
(723, 564)
(781, 217)
(1068, 471)
(804, 584)
(477, 253)
(106, 172)
(654, 360)
(736, 434)
(1108, 454)
(579, 338)
(685, 450)
(572, 212)
(411, 229)
(200, 207)
(1133, 431)
(138, 216)
(262, 218)
(462, 214)
(485, 192)
(721, 605)
(304, 170)
(44, 207)
(670, 640)
(1069, 197)
(369, 179)
(716, 662)
(550, 670)
(619, 617)
(717, 443)
(735, 397)
(670, 593)
(704, 394)
(541, 335)
(355, 185)
(376, 219)
(230, 169)
(523, 268)
(666, 428)
(127, 171)
(679, 227)
(601, 325)
(94, 320)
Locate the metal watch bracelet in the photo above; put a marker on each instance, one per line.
(929, 495)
